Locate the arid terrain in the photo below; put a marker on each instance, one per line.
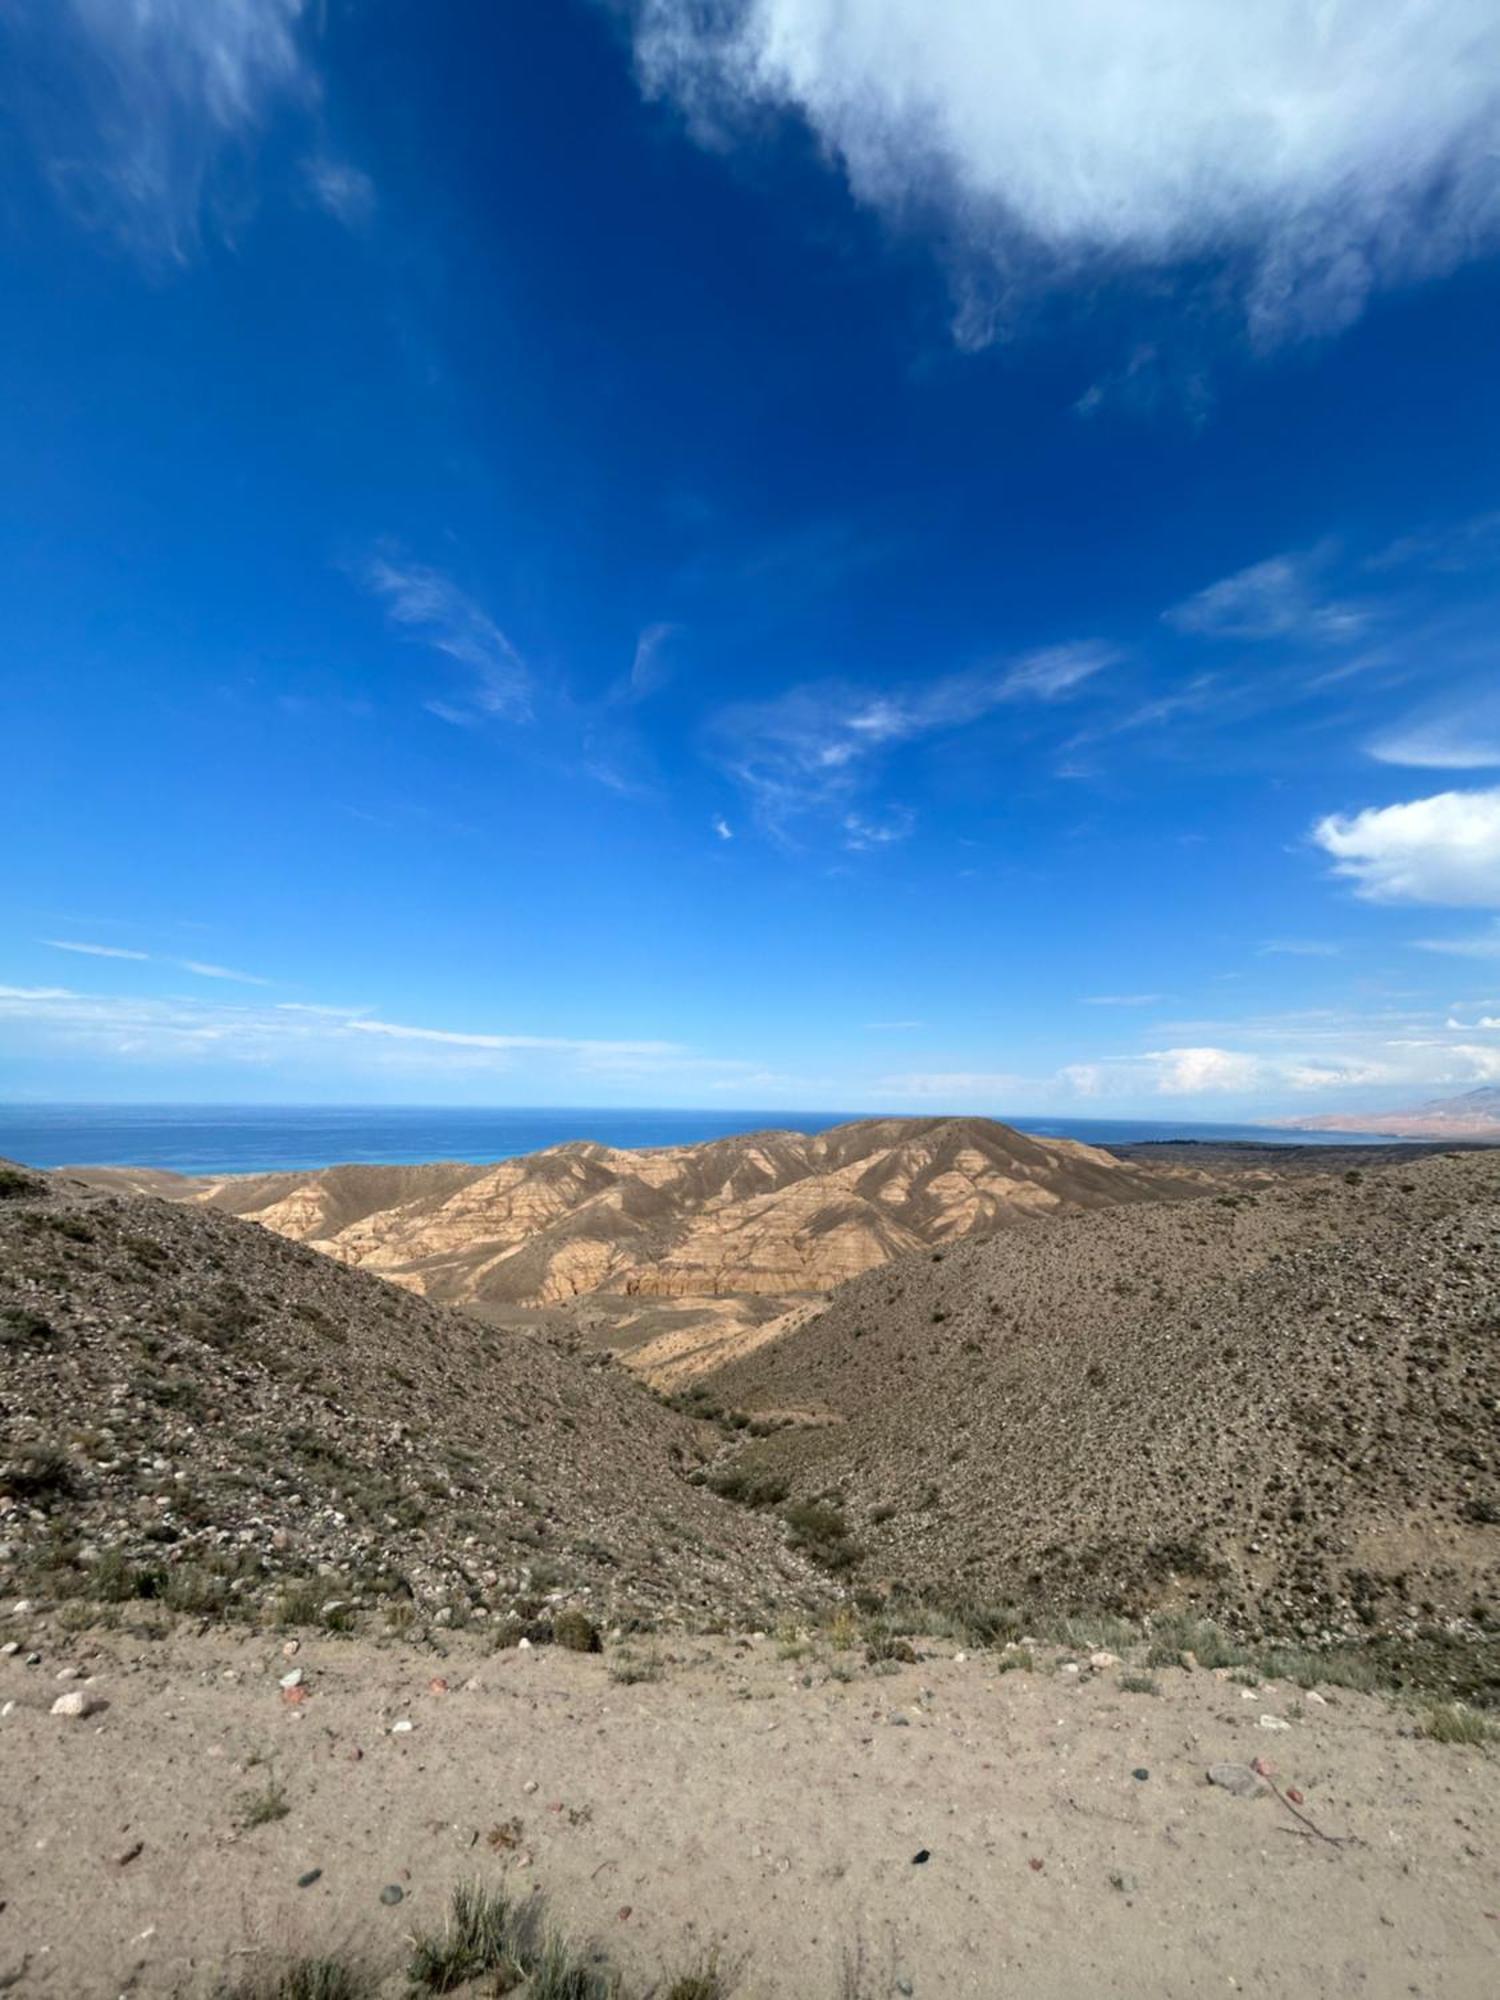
(702, 1240)
(1277, 1403)
(888, 1653)
(1474, 1115)
(817, 1826)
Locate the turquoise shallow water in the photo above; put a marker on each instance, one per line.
(226, 1139)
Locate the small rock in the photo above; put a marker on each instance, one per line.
(523, 1645)
(131, 1853)
(437, 1685)
(623, 1913)
(69, 1674)
(1236, 1779)
(78, 1704)
(1317, 1700)
(10, 1648)
(404, 1727)
(1126, 1884)
(530, 1785)
(294, 1679)
(392, 1894)
(1294, 1795)
(905, 1986)
(306, 1881)
(1101, 1661)
(1140, 1774)
(1274, 1722)
(23, 1607)
(8, 1709)
(922, 1856)
(1036, 1864)
(291, 1648)
(1070, 1667)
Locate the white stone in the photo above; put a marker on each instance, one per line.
(1101, 1660)
(293, 1679)
(23, 1607)
(77, 1704)
(404, 1727)
(1274, 1722)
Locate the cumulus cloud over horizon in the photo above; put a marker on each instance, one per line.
(1325, 148)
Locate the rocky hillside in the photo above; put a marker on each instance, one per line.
(1278, 1405)
(767, 1213)
(195, 1409)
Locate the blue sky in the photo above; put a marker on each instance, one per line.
(889, 555)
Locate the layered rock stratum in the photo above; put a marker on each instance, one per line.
(767, 1214)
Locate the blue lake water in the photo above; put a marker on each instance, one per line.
(243, 1139)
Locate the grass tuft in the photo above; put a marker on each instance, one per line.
(484, 1936)
(1452, 1722)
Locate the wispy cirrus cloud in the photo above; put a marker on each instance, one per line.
(307, 1036)
(93, 950)
(140, 109)
(814, 748)
(1281, 597)
(341, 190)
(1287, 157)
(430, 608)
(201, 968)
(1463, 738)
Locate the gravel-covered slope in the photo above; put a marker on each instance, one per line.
(193, 1407)
(1279, 1404)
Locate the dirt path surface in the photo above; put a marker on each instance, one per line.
(740, 1798)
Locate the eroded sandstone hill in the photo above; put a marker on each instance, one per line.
(764, 1213)
(194, 1409)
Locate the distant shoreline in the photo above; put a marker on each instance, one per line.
(218, 1140)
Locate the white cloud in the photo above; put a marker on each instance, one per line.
(432, 608)
(1444, 849)
(1123, 999)
(861, 833)
(140, 101)
(722, 827)
(195, 965)
(1187, 1072)
(460, 1039)
(1318, 149)
(1485, 944)
(24, 993)
(93, 950)
(1298, 948)
(815, 746)
(342, 190)
(1468, 740)
(1279, 598)
(206, 971)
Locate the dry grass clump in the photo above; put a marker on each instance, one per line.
(302, 1979)
(1453, 1722)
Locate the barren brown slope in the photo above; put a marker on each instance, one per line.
(1279, 1405)
(766, 1213)
(192, 1406)
(1473, 1115)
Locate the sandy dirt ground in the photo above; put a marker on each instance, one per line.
(741, 1799)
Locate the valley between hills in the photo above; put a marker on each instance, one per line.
(649, 1490)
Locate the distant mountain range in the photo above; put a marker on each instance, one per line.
(1474, 1115)
(759, 1213)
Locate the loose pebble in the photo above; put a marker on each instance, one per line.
(306, 1881)
(78, 1704)
(1236, 1779)
(392, 1894)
